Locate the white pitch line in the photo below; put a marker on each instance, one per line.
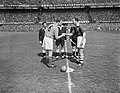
(68, 72)
(69, 78)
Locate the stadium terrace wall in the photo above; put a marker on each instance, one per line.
(36, 27)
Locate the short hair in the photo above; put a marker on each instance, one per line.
(43, 23)
(76, 19)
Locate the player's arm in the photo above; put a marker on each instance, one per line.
(56, 33)
(71, 32)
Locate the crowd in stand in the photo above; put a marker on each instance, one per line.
(66, 15)
(50, 15)
(110, 14)
(18, 15)
(98, 15)
(31, 2)
(31, 16)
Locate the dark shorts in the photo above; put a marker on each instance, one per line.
(60, 42)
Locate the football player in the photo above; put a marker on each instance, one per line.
(51, 33)
(78, 41)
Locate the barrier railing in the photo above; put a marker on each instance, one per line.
(65, 22)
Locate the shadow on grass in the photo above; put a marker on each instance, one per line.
(40, 55)
(73, 60)
(44, 61)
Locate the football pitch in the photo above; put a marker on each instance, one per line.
(22, 71)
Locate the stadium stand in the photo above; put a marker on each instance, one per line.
(106, 14)
(66, 14)
(31, 15)
(18, 15)
(101, 14)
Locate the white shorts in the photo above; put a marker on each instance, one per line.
(47, 43)
(79, 41)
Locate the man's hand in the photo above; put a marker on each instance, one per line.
(63, 34)
(81, 44)
(82, 41)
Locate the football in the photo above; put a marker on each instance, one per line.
(63, 69)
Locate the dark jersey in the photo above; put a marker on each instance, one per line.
(76, 31)
(79, 31)
(61, 29)
(73, 31)
(41, 34)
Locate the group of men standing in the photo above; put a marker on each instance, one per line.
(57, 33)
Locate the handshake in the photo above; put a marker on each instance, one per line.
(67, 34)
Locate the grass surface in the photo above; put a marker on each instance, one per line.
(21, 69)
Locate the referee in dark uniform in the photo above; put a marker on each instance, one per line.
(61, 41)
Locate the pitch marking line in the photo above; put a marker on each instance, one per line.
(69, 78)
(68, 71)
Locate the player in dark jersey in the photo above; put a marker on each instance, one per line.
(42, 35)
(61, 41)
(73, 40)
(78, 41)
